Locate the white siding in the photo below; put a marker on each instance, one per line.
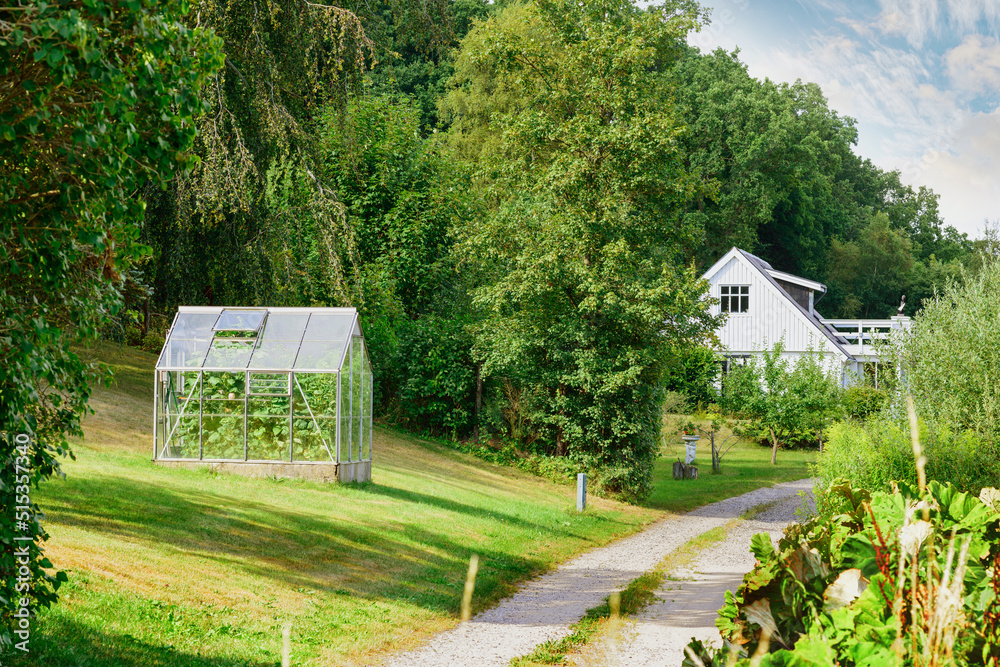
(771, 316)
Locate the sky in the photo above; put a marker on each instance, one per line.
(920, 77)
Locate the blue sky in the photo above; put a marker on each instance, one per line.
(921, 77)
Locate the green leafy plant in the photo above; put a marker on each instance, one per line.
(874, 579)
(863, 400)
(99, 101)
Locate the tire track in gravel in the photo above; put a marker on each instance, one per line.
(546, 607)
(688, 602)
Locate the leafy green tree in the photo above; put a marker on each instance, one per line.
(693, 371)
(780, 397)
(414, 43)
(585, 182)
(772, 157)
(871, 274)
(88, 116)
(215, 235)
(403, 201)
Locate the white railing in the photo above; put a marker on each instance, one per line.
(861, 335)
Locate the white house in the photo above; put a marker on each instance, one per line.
(765, 306)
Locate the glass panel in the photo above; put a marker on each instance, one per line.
(269, 384)
(275, 354)
(366, 454)
(268, 406)
(267, 438)
(240, 320)
(183, 434)
(194, 325)
(724, 290)
(356, 439)
(320, 395)
(285, 326)
(227, 354)
(744, 304)
(181, 352)
(309, 442)
(357, 394)
(320, 355)
(222, 422)
(345, 410)
(267, 429)
(329, 326)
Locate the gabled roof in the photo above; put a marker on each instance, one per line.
(812, 319)
(265, 340)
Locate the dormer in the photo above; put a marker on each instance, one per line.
(801, 290)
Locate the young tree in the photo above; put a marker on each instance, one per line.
(585, 185)
(782, 397)
(98, 98)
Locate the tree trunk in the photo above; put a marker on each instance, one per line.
(479, 401)
(774, 447)
(716, 464)
(819, 432)
(560, 444)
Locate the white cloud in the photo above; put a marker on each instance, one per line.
(974, 65)
(879, 86)
(915, 20)
(966, 173)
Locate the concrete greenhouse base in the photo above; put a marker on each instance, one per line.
(358, 471)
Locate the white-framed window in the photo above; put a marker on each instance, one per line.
(734, 298)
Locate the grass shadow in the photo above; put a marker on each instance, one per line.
(60, 641)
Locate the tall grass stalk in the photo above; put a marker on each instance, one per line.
(470, 587)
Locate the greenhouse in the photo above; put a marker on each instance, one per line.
(266, 391)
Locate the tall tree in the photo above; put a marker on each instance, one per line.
(98, 98)
(868, 276)
(585, 183)
(774, 154)
(213, 232)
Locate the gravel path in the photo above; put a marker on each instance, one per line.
(691, 597)
(546, 607)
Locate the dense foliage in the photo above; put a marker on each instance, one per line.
(98, 99)
(586, 289)
(875, 453)
(904, 578)
(952, 356)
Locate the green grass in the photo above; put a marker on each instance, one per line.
(747, 466)
(180, 567)
(184, 568)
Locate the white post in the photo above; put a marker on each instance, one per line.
(581, 491)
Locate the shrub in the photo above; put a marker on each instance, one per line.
(133, 335)
(153, 342)
(674, 403)
(438, 375)
(907, 578)
(876, 453)
(863, 400)
(693, 372)
(952, 356)
(790, 438)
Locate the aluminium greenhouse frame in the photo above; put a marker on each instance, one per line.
(265, 391)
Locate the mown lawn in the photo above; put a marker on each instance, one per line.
(181, 568)
(175, 567)
(747, 466)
